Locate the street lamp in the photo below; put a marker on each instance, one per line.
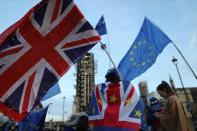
(175, 62)
(63, 109)
(49, 110)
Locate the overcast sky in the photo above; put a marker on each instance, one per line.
(177, 18)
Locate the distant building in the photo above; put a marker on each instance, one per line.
(193, 92)
(54, 126)
(183, 94)
(188, 97)
(143, 88)
(190, 105)
(186, 100)
(172, 84)
(85, 82)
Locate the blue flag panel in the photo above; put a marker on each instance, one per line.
(101, 27)
(34, 121)
(143, 53)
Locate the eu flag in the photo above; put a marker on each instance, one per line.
(34, 121)
(143, 53)
(101, 27)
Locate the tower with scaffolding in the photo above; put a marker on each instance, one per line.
(85, 82)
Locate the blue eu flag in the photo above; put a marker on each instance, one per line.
(101, 27)
(143, 53)
(34, 121)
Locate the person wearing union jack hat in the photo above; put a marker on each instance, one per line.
(154, 107)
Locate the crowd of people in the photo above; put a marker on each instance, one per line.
(170, 117)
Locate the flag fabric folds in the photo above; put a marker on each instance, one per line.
(143, 53)
(37, 50)
(101, 27)
(34, 121)
(52, 92)
(115, 107)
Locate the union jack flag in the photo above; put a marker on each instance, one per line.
(37, 50)
(115, 106)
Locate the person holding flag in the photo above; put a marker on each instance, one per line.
(115, 105)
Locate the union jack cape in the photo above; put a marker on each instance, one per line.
(37, 50)
(115, 107)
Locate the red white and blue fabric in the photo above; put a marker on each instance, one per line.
(37, 50)
(115, 107)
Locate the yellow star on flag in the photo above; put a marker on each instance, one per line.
(131, 52)
(91, 126)
(132, 59)
(144, 41)
(113, 99)
(138, 113)
(139, 42)
(134, 63)
(128, 101)
(134, 47)
(99, 101)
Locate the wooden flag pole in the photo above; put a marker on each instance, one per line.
(103, 47)
(185, 60)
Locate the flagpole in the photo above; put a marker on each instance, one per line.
(103, 47)
(185, 60)
(108, 49)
